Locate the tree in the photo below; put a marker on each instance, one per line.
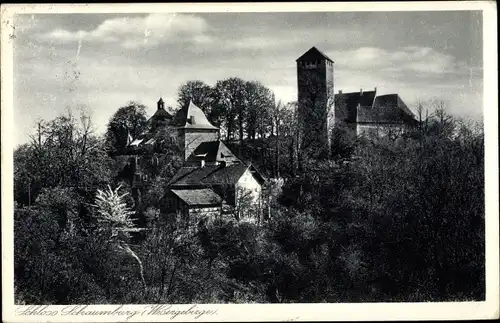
(114, 220)
(198, 92)
(49, 265)
(259, 103)
(128, 120)
(342, 143)
(229, 106)
(62, 152)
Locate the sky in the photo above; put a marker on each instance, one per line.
(103, 61)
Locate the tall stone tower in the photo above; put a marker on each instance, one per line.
(315, 102)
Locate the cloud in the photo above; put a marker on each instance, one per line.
(407, 59)
(139, 32)
(107, 52)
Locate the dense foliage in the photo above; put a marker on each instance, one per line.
(382, 219)
(241, 108)
(127, 122)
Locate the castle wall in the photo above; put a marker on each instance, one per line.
(378, 130)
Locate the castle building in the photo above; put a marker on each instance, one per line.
(213, 181)
(190, 127)
(195, 129)
(315, 101)
(367, 114)
(320, 109)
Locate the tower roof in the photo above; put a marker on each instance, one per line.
(196, 118)
(313, 54)
(160, 100)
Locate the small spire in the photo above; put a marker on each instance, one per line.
(161, 104)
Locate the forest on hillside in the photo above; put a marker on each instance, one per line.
(381, 219)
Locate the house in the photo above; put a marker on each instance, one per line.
(320, 110)
(213, 181)
(192, 204)
(216, 190)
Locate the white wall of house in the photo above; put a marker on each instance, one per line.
(248, 196)
(250, 185)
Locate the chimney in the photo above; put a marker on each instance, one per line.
(375, 89)
(360, 91)
(340, 91)
(191, 119)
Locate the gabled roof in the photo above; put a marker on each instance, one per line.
(200, 119)
(352, 100)
(213, 151)
(392, 100)
(386, 109)
(313, 54)
(208, 175)
(198, 197)
(212, 175)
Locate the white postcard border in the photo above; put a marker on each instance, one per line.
(267, 312)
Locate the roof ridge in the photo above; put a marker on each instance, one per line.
(311, 51)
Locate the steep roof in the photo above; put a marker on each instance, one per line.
(392, 100)
(161, 114)
(313, 54)
(213, 151)
(386, 109)
(208, 175)
(352, 100)
(200, 119)
(198, 197)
